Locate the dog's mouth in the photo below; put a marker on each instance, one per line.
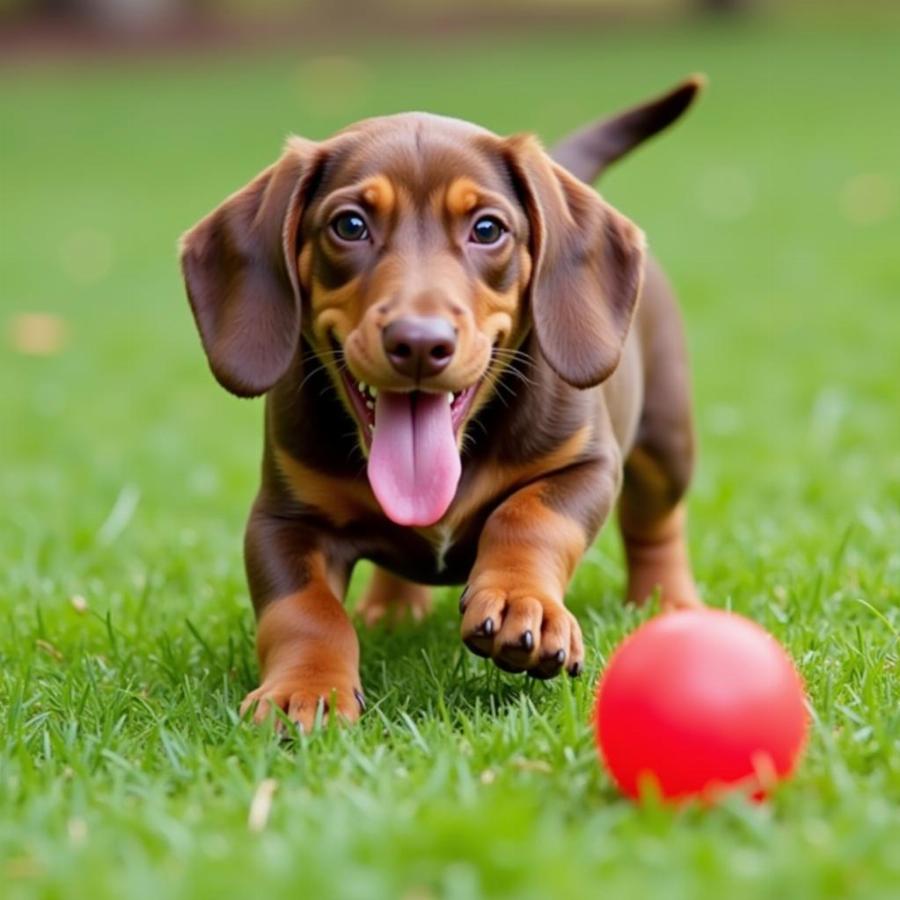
(412, 442)
(364, 399)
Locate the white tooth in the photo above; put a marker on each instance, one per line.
(370, 404)
(373, 391)
(450, 398)
(371, 426)
(362, 387)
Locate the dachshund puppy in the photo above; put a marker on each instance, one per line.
(468, 361)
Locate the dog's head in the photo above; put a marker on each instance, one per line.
(413, 254)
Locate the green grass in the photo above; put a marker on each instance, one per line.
(126, 473)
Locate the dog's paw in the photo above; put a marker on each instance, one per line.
(672, 583)
(522, 631)
(300, 695)
(409, 602)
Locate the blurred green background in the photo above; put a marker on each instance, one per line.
(126, 473)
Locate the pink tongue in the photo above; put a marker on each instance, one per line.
(414, 465)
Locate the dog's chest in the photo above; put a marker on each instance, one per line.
(441, 538)
(440, 554)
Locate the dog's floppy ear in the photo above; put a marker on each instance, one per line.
(588, 267)
(239, 265)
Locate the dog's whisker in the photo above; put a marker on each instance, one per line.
(515, 373)
(311, 374)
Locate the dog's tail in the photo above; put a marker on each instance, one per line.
(587, 153)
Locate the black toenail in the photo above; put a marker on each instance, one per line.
(560, 655)
(527, 640)
(487, 627)
(360, 699)
(464, 599)
(575, 670)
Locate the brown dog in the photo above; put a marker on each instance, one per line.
(467, 360)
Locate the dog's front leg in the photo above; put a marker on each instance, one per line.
(513, 607)
(307, 646)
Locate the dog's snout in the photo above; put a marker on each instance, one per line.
(419, 346)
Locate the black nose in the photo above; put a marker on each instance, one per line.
(419, 346)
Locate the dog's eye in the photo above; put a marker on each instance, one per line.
(487, 230)
(350, 226)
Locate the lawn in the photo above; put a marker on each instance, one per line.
(127, 638)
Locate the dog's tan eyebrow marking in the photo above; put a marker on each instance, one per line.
(378, 193)
(462, 196)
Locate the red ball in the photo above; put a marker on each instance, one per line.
(700, 701)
